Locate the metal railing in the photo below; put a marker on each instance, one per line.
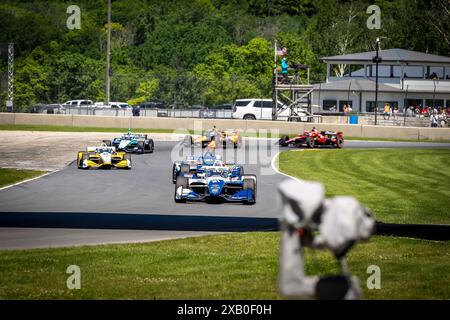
(170, 113)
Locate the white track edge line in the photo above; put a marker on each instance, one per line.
(274, 167)
(29, 180)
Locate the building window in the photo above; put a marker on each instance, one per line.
(370, 105)
(384, 71)
(436, 72)
(343, 103)
(329, 105)
(355, 70)
(434, 103)
(413, 72)
(413, 103)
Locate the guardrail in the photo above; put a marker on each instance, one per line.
(350, 130)
(171, 113)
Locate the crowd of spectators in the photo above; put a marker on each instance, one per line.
(427, 111)
(436, 114)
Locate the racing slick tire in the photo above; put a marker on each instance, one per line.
(85, 157)
(79, 159)
(128, 157)
(188, 141)
(174, 173)
(283, 141)
(339, 143)
(107, 142)
(141, 147)
(250, 184)
(181, 182)
(152, 145)
(310, 143)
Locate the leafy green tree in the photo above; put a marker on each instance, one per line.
(237, 72)
(74, 76)
(30, 85)
(145, 91)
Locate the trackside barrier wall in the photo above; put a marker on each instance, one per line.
(354, 130)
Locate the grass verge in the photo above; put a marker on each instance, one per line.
(25, 127)
(210, 268)
(398, 185)
(11, 176)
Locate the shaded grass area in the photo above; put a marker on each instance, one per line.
(398, 185)
(11, 176)
(232, 266)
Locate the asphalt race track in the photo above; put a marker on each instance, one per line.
(77, 207)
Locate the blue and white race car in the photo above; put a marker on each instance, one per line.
(216, 184)
(191, 164)
(131, 142)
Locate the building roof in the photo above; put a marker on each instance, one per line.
(391, 56)
(365, 85)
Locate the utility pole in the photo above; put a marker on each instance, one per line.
(274, 83)
(9, 102)
(108, 53)
(377, 59)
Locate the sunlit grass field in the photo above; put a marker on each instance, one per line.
(398, 185)
(231, 266)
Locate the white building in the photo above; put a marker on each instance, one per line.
(404, 79)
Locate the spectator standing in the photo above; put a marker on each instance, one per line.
(284, 70)
(396, 112)
(442, 118)
(434, 120)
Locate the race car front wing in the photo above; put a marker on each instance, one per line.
(246, 196)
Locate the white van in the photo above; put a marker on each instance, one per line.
(78, 103)
(113, 105)
(261, 109)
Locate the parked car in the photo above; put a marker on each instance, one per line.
(152, 105)
(78, 103)
(225, 106)
(261, 109)
(48, 108)
(113, 105)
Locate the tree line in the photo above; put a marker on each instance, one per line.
(197, 52)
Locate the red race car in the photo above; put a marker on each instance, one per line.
(313, 138)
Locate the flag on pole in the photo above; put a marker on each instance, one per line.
(281, 51)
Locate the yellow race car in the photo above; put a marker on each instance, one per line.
(231, 137)
(221, 138)
(103, 157)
